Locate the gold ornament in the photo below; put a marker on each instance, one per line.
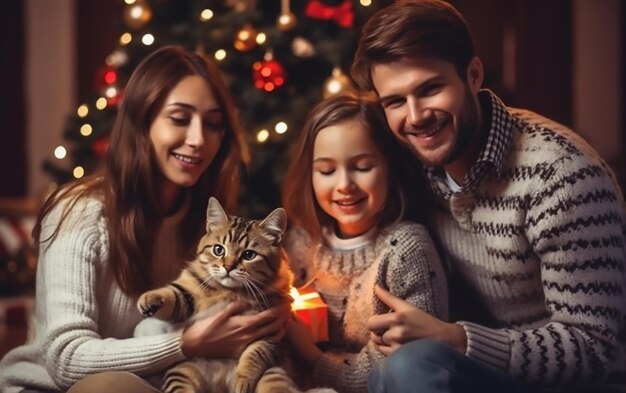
(245, 39)
(336, 83)
(286, 21)
(137, 15)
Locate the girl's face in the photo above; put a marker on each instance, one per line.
(186, 133)
(349, 177)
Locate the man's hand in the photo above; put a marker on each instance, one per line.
(226, 334)
(405, 322)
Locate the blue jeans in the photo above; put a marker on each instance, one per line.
(427, 366)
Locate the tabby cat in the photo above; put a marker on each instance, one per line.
(237, 259)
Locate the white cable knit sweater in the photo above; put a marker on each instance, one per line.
(401, 258)
(84, 322)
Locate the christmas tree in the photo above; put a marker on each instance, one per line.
(279, 58)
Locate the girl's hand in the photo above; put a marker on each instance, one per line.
(405, 322)
(226, 334)
(302, 342)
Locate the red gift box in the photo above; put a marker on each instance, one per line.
(313, 312)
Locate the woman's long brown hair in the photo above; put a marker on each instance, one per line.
(128, 182)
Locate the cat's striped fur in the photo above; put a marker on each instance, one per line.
(237, 259)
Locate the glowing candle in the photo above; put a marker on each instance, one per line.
(312, 311)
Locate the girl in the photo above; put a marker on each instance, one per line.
(346, 196)
(130, 227)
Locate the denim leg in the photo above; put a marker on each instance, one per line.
(427, 366)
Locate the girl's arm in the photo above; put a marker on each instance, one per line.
(411, 269)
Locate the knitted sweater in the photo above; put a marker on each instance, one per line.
(538, 235)
(84, 322)
(401, 258)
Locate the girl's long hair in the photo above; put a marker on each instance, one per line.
(129, 181)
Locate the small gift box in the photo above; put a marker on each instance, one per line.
(313, 312)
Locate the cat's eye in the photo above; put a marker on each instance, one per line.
(218, 250)
(248, 255)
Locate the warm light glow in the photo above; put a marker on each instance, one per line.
(110, 77)
(281, 127)
(101, 103)
(244, 35)
(206, 14)
(83, 110)
(261, 38)
(147, 39)
(220, 54)
(262, 135)
(137, 11)
(60, 152)
(126, 38)
(85, 130)
(300, 300)
(78, 172)
(110, 91)
(129, 2)
(266, 71)
(366, 3)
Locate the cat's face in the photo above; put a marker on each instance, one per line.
(238, 252)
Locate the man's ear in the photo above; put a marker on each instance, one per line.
(475, 74)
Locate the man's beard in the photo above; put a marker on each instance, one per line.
(467, 127)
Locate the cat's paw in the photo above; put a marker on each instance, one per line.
(244, 385)
(150, 302)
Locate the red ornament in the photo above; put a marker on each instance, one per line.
(268, 75)
(100, 146)
(342, 14)
(105, 76)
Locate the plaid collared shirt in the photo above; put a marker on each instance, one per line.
(491, 157)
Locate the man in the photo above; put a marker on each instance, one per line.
(529, 217)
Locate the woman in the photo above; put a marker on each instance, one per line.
(130, 227)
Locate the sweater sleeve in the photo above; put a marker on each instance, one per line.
(411, 269)
(575, 226)
(414, 271)
(69, 311)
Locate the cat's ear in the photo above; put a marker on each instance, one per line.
(215, 215)
(275, 223)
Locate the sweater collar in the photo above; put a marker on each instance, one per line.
(492, 156)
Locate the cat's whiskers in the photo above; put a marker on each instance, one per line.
(256, 292)
(267, 286)
(253, 291)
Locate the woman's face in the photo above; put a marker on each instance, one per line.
(187, 132)
(350, 177)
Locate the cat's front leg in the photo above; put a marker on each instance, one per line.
(254, 361)
(160, 303)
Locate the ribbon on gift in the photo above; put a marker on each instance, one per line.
(342, 14)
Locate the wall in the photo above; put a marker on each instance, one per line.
(50, 81)
(597, 101)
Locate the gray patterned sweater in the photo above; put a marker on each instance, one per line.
(401, 258)
(538, 234)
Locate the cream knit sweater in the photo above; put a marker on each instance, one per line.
(401, 258)
(84, 323)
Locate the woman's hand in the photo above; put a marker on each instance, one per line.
(301, 340)
(405, 322)
(226, 334)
